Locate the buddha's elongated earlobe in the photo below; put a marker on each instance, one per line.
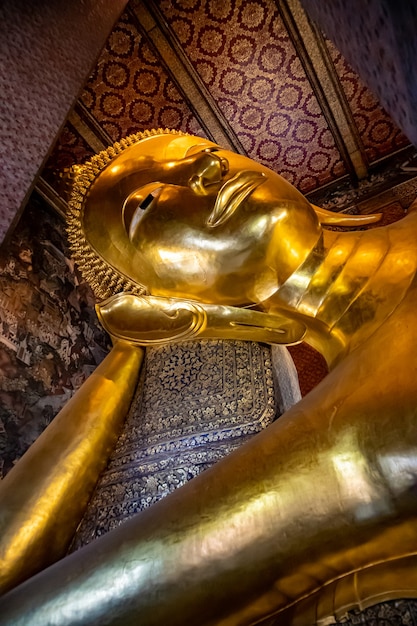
(344, 219)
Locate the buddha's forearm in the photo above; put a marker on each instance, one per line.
(153, 321)
(44, 496)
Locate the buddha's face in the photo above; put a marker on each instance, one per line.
(189, 219)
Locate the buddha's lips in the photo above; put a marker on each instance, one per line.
(232, 194)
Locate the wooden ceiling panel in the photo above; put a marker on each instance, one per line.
(255, 76)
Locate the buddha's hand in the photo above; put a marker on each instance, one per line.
(153, 321)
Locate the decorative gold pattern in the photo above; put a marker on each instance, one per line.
(197, 402)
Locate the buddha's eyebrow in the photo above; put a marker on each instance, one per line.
(201, 147)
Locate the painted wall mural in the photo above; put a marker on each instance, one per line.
(50, 340)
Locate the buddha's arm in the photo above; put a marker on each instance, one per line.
(325, 490)
(44, 496)
(152, 321)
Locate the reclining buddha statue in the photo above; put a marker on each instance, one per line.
(182, 240)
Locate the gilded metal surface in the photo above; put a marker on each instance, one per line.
(44, 497)
(326, 491)
(177, 216)
(364, 588)
(153, 321)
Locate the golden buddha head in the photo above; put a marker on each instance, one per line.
(176, 215)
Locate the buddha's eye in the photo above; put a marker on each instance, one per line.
(137, 203)
(145, 204)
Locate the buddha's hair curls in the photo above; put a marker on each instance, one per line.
(104, 279)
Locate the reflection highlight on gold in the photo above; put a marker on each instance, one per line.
(317, 513)
(45, 495)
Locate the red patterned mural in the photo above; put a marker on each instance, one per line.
(245, 57)
(130, 90)
(50, 337)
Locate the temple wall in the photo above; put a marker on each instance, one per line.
(378, 38)
(50, 339)
(47, 51)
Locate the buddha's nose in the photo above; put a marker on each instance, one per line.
(209, 170)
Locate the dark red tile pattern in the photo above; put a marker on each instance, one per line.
(129, 90)
(311, 366)
(379, 134)
(69, 150)
(243, 54)
(391, 213)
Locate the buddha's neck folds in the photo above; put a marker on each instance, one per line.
(350, 283)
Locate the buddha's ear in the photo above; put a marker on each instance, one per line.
(343, 219)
